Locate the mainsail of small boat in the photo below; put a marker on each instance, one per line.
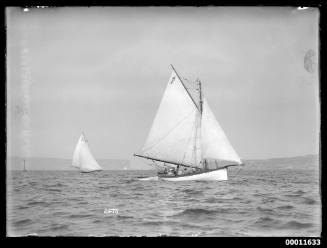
(185, 139)
(83, 158)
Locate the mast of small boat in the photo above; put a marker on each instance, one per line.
(24, 166)
(205, 166)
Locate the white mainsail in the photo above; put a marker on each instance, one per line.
(214, 143)
(83, 158)
(186, 132)
(173, 133)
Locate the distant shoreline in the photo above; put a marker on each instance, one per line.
(306, 162)
(126, 159)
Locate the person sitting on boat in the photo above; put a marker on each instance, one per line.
(170, 172)
(176, 170)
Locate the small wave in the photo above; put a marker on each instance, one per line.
(295, 225)
(296, 193)
(264, 219)
(264, 209)
(285, 207)
(299, 192)
(195, 211)
(192, 191)
(159, 223)
(130, 180)
(80, 216)
(266, 222)
(213, 200)
(23, 222)
(269, 199)
(56, 227)
(36, 203)
(309, 201)
(237, 198)
(56, 185)
(201, 211)
(22, 207)
(258, 194)
(54, 190)
(124, 217)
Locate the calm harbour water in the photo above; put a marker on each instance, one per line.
(250, 203)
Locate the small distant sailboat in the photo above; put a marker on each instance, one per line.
(125, 168)
(185, 139)
(83, 158)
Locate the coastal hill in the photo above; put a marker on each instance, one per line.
(307, 162)
(34, 163)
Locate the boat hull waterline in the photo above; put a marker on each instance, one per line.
(89, 171)
(214, 175)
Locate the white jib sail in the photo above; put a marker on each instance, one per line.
(215, 144)
(83, 157)
(173, 135)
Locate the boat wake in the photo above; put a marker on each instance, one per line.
(156, 178)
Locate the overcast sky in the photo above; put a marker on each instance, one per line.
(104, 70)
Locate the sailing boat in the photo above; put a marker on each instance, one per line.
(83, 158)
(185, 139)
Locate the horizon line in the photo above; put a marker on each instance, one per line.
(22, 157)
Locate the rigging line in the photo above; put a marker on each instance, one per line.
(195, 137)
(161, 139)
(198, 138)
(185, 87)
(189, 139)
(239, 169)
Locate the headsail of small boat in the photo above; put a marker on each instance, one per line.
(185, 131)
(214, 142)
(83, 158)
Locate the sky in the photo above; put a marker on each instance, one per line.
(103, 71)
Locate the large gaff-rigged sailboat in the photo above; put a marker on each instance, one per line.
(83, 158)
(186, 141)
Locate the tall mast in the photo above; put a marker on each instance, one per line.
(200, 92)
